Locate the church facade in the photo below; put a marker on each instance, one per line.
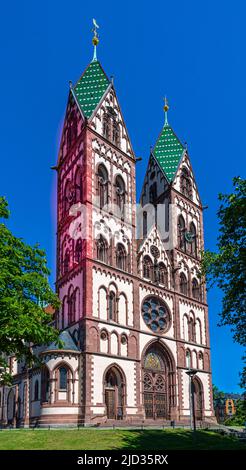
(133, 317)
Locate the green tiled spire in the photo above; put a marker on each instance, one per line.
(91, 87)
(168, 151)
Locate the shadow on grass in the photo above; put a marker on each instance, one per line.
(179, 440)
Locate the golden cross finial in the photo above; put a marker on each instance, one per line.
(166, 108)
(95, 39)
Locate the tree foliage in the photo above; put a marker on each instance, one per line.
(218, 394)
(24, 291)
(227, 268)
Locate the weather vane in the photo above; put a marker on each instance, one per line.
(95, 39)
(166, 108)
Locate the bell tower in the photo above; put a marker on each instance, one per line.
(170, 185)
(96, 246)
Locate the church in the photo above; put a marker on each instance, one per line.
(133, 318)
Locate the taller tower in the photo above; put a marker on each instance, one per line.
(96, 272)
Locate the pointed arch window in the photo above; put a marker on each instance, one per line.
(78, 186)
(185, 183)
(36, 390)
(200, 361)
(193, 244)
(183, 285)
(181, 233)
(63, 378)
(71, 305)
(66, 262)
(71, 130)
(192, 330)
(68, 196)
(188, 359)
(45, 381)
(148, 268)
(120, 194)
(145, 224)
(121, 257)
(78, 251)
(64, 311)
(153, 193)
(116, 133)
(195, 289)
(163, 274)
(106, 126)
(102, 185)
(102, 249)
(112, 306)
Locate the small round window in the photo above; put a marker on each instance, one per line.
(156, 315)
(123, 339)
(103, 335)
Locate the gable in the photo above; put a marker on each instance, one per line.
(177, 183)
(151, 246)
(72, 126)
(154, 174)
(109, 105)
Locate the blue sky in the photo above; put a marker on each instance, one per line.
(193, 52)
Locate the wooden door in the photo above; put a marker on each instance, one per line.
(110, 403)
(198, 399)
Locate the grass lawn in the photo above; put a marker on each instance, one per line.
(101, 439)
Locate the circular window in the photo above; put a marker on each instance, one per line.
(155, 251)
(123, 339)
(103, 335)
(156, 315)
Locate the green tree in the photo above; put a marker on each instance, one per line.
(24, 291)
(227, 268)
(218, 394)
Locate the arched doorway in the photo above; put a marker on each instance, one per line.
(198, 398)
(158, 383)
(114, 389)
(11, 407)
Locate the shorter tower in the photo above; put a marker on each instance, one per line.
(174, 269)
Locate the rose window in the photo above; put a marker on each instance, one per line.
(156, 315)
